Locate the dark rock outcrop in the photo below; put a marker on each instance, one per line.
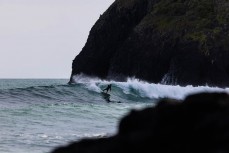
(162, 41)
(200, 123)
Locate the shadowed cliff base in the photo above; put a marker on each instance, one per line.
(183, 42)
(200, 123)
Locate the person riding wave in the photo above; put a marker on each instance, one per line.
(107, 88)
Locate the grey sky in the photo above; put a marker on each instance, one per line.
(40, 38)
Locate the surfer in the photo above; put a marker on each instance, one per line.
(107, 88)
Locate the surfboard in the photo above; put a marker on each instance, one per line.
(106, 96)
(104, 93)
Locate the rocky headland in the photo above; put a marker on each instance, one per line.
(200, 123)
(183, 42)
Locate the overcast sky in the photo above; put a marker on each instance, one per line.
(40, 38)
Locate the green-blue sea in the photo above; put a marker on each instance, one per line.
(37, 115)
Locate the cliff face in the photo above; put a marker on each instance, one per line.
(161, 41)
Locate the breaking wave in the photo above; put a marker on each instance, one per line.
(89, 90)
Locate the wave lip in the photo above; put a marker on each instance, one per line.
(89, 90)
(144, 89)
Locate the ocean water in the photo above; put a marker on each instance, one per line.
(37, 115)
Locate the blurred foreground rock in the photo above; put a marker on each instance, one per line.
(200, 123)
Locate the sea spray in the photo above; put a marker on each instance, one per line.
(138, 88)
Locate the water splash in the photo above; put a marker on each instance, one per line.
(144, 89)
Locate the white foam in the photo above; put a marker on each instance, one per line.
(82, 78)
(89, 82)
(90, 135)
(145, 89)
(152, 90)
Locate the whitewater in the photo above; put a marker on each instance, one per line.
(37, 115)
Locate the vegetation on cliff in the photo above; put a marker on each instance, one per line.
(204, 21)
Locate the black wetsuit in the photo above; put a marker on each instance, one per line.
(108, 88)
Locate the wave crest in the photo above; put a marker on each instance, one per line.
(144, 89)
(89, 90)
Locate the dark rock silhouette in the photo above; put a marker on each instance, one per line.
(174, 42)
(200, 123)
